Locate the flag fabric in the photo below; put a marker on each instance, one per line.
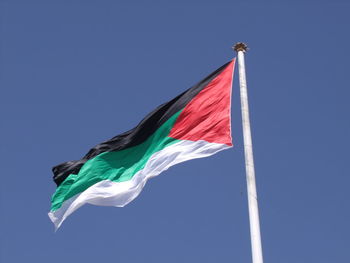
(195, 124)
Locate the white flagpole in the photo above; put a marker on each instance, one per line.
(257, 255)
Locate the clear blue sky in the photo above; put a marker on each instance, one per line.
(74, 73)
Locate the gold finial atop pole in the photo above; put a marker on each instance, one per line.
(240, 46)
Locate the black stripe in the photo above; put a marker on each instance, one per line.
(138, 134)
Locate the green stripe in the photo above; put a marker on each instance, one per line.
(117, 166)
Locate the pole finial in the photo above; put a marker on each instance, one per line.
(240, 46)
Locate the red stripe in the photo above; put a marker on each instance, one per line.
(207, 116)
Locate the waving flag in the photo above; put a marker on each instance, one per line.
(195, 124)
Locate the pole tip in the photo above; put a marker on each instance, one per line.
(240, 46)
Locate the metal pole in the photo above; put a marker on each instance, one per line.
(255, 236)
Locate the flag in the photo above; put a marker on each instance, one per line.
(195, 124)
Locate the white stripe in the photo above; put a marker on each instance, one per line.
(109, 193)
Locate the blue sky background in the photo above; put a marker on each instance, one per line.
(74, 73)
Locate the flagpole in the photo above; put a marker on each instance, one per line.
(255, 236)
